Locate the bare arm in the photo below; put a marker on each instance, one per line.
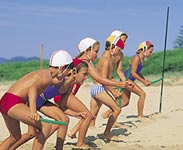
(63, 106)
(135, 62)
(33, 91)
(94, 74)
(119, 68)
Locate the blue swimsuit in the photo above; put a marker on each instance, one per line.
(139, 68)
(49, 93)
(95, 89)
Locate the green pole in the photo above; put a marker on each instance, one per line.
(163, 70)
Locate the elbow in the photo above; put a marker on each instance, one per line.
(119, 72)
(133, 74)
(100, 80)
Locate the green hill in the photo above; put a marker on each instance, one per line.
(153, 66)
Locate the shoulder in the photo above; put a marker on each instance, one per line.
(135, 59)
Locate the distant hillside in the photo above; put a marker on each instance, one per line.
(3, 60)
(174, 64)
(17, 59)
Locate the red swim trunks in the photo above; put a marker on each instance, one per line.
(57, 99)
(7, 101)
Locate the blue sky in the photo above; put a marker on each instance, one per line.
(61, 24)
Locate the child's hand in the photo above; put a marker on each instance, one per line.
(116, 93)
(123, 84)
(34, 116)
(131, 84)
(147, 83)
(82, 115)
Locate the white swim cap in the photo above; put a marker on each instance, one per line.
(117, 33)
(85, 43)
(116, 41)
(60, 58)
(144, 45)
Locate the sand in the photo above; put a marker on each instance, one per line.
(158, 131)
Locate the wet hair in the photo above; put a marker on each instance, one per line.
(108, 44)
(81, 54)
(81, 65)
(124, 34)
(69, 66)
(142, 49)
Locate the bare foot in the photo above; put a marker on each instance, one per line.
(140, 117)
(72, 136)
(110, 137)
(118, 125)
(84, 146)
(143, 118)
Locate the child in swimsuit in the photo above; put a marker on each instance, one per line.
(78, 75)
(100, 93)
(117, 62)
(88, 49)
(144, 51)
(25, 90)
(136, 65)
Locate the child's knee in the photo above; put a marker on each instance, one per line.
(117, 110)
(66, 119)
(46, 128)
(63, 118)
(90, 115)
(32, 134)
(125, 102)
(143, 94)
(15, 138)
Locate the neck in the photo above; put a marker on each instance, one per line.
(142, 55)
(84, 57)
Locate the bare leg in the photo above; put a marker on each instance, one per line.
(76, 105)
(126, 97)
(57, 114)
(74, 130)
(107, 100)
(15, 133)
(125, 101)
(141, 100)
(142, 95)
(106, 114)
(25, 137)
(94, 107)
(20, 112)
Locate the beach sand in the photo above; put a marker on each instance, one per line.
(157, 131)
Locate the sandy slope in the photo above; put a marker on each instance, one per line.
(158, 131)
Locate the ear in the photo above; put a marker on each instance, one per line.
(113, 46)
(74, 71)
(61, 68)
(88, 50)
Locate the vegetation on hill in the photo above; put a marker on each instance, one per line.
(13, 71)
(153, 66)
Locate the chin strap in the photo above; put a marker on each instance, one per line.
(112, 53)
(145, 58)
